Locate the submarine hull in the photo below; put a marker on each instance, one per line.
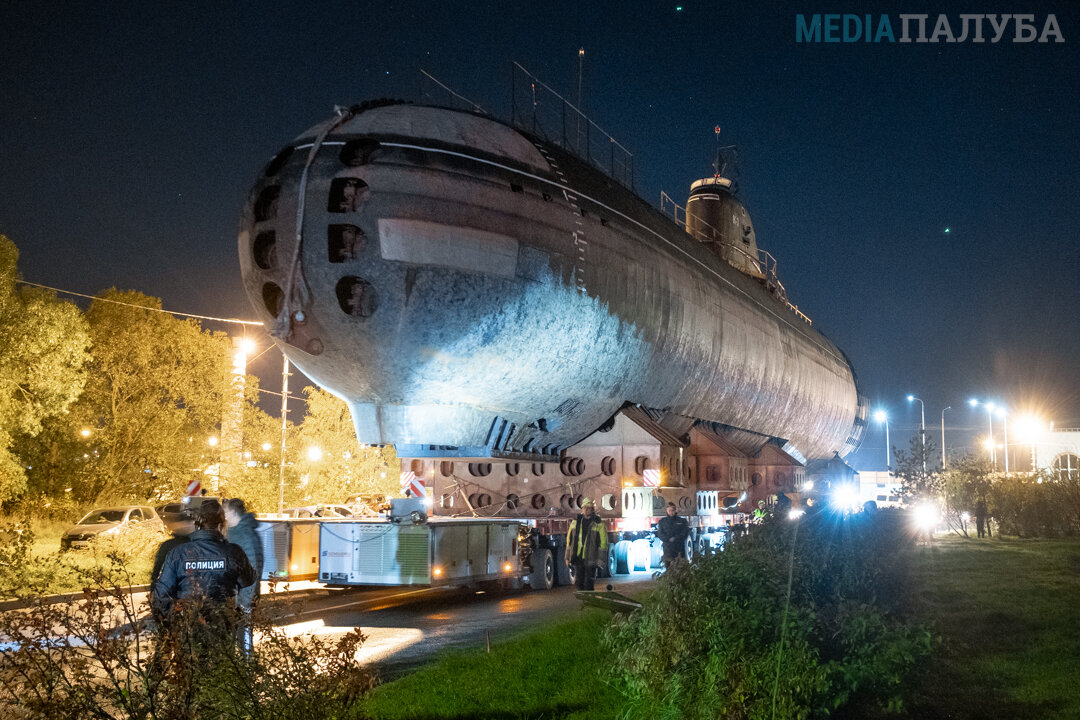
(472, 291)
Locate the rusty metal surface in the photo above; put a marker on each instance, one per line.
(507, 299)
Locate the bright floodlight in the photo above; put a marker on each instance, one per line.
(1028, 428)
(881, 416)
(910, 398)
(266, 446)
(795, 513)
(213, 441)
(973, 402)
(927, 515)
(85, 432)
(808, 485)
(988, 443)
(845, 497)
(247, 346)
(1000, 412)
(314, 453)
(989, 407)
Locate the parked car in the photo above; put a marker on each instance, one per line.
(320, 511)
(176, 515)
(108, 521)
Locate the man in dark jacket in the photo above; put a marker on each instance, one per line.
(181, 532)
(242, 526)
(587, 545)
(672, 532)
(206, 570)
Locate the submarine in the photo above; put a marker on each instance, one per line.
(474, 288)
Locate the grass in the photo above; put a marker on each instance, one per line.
(137, 547)
(554, 672)
(1008, 614)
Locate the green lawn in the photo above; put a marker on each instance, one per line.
(1008, 614)
(554, 672)
(137, 548)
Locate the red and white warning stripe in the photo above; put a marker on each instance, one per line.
(412, 484)
(651, 478)
(194, 487)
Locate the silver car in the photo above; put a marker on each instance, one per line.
(108, 521)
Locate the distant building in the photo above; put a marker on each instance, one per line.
(879, 486)
(1057, 450)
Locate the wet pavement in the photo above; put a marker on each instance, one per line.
(406, 627)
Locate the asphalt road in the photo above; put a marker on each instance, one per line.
(405, 626)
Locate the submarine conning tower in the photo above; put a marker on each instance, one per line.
(714, 216)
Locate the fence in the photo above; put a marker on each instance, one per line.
(540, 111)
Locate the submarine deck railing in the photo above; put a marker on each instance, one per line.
(539, 110)
(763, 266)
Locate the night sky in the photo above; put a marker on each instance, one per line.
(130, 136)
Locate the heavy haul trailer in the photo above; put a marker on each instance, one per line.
(290, 548)
(408, 548)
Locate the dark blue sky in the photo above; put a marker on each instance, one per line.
(130, 135)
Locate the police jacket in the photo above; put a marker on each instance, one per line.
(672, 532)
(243, 534)
(587, 540)
(206, 567)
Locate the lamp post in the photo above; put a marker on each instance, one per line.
(1004, 415)
(943, 435)
(922, 428)
(990, 420)
(882, 417)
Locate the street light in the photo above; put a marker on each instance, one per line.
(1004, 415)
(922, 428)
(943, 435)
(1029, 427)
(990, 420)
(883, 417)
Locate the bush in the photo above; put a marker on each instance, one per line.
(719, 638)
(96, 657)
(1036, 505)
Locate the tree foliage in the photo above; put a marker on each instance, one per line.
(342, 466)
(42, 357)
(963, 485)
(918, 470)
(153, 396)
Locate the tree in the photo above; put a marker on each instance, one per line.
(258, 481)
(963, 485)
(42, 359)
(918, 473)
(153, 397)
(340, 466)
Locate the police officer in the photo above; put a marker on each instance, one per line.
(206, 570)
(587, 545)
(672, 532)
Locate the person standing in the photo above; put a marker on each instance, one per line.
(181, 532)
(672, 531)
(206, 571)
(980, 517)
(242, 525)
(587, 545)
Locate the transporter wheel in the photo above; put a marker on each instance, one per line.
(688, 548)
(542, 576)
(612, 562)
(622, 557)
(562, 571)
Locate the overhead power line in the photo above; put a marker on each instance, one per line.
(235, 321)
